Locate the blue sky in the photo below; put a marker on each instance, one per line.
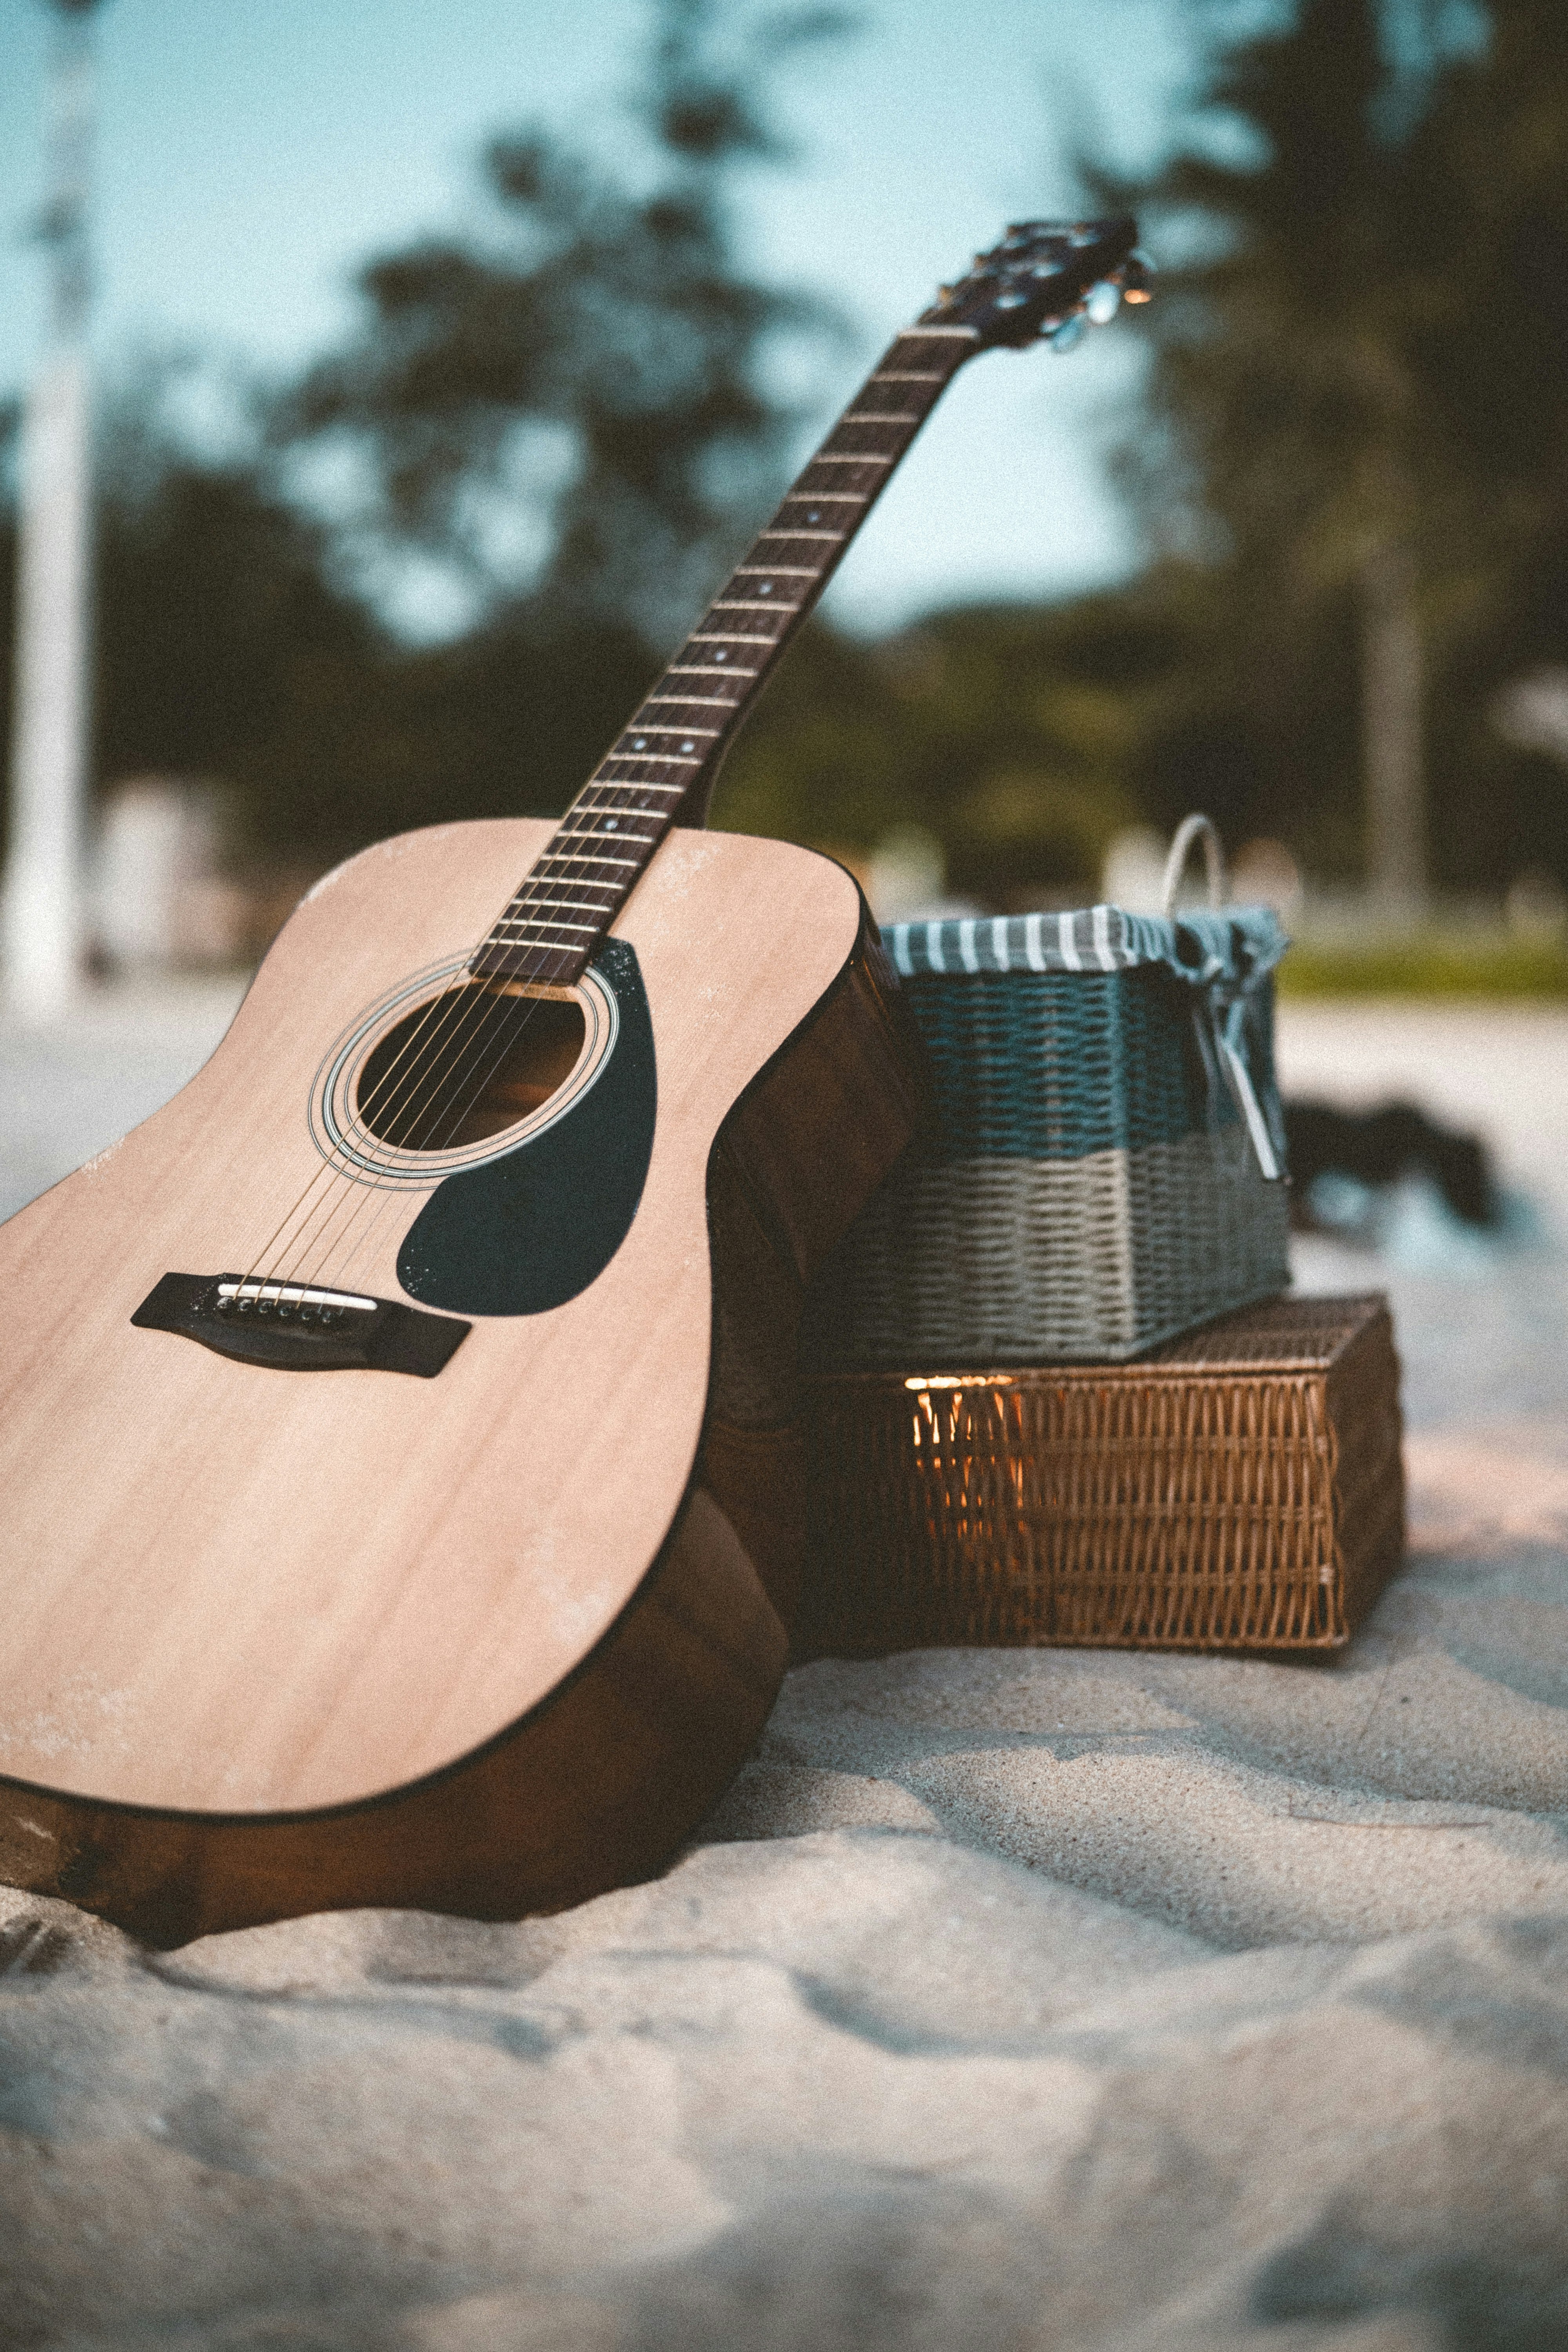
(251, 156)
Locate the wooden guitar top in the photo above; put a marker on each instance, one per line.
(235, 1589)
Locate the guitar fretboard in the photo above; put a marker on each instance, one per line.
(663, 763)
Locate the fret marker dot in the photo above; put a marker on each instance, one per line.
(609, 824)
(721, 655)
(814, 516)
(641, 743)
(689, 747)
(766, 589)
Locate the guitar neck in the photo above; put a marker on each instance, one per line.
(659, 771)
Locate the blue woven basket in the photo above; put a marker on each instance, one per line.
(1106, 1169)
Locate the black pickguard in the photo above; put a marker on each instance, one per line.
(531, 1230)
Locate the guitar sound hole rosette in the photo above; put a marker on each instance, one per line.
(337, 1123)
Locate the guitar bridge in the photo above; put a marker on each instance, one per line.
(294, 1327)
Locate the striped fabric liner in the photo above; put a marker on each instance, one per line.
(1200, 946)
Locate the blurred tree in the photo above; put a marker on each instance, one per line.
(1294, 447)
(604, 338)
(222, 650)
(986, 727)
(1359, 427)
(1492, 354)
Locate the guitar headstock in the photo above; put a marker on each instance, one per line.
(1047, 278)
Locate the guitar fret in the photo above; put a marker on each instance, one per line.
(633, 784)
(653, 728)
(523, 910)
(659, 726)
(579, 857)
(609, 819)
(573, 892)
(565, 890)
(583, 905)
(674, 758)
(588, 930)
(647, 791)
(557, 858)
(683, 734)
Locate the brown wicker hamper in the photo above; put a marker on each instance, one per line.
(1238, 1488)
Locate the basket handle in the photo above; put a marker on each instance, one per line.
(1191, 829)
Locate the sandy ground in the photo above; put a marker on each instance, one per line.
(1010, 1998)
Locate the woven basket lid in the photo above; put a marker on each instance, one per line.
(1230, 946)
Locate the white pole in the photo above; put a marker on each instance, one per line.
(41, 913)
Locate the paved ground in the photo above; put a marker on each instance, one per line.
(1483, 1325)
(67, 1090)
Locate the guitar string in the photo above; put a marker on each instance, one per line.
(595, 808)
(508, 1040)
(470, 1005)
(794, 607)
(346, 1185)
(331, 1171)
(601, 817)
(424, 1036)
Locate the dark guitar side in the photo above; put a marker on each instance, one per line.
(598, 1785)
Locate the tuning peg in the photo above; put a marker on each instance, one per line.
(1070, 332)
(1102, 302)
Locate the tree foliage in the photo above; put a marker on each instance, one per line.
(1365, 345)
(1361, 328)
(605, 318)
(611, 312)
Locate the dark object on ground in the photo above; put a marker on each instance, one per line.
(1379, 1147)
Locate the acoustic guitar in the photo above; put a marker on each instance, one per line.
(397, 1432)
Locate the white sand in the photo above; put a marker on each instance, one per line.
(1010, 1999)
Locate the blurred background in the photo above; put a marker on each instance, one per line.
(438, 363)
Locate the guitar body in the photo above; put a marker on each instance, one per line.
(490, 1637)
(398, 1432)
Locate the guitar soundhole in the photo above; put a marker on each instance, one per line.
(470, 1063)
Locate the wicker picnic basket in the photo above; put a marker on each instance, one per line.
(1239, 1489)
(1106, 1164)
